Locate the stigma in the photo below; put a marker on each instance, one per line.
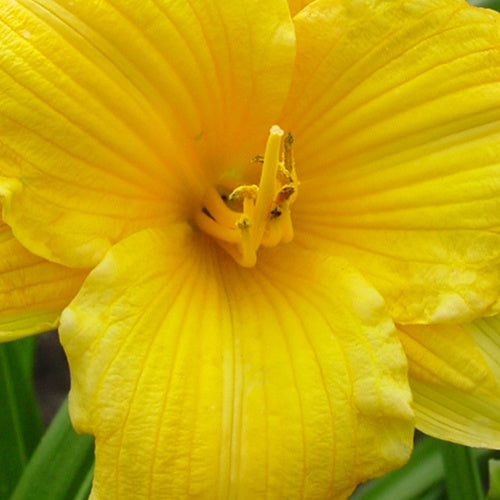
(249, 216)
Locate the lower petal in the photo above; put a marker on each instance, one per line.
(202, 378)
(33, 291)
(455, 380)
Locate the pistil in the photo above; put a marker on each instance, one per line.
(267, 184)
(265, 217)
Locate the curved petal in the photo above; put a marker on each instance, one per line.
(201, 378)
(33, 292)
(112, 113)
(297, 5)
(396, 114)
(455, 380)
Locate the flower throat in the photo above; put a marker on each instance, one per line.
(253, 215)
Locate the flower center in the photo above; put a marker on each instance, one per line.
(253, 215)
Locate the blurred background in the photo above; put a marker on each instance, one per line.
(51, 375)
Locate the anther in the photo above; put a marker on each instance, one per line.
(243, 223)
(242, 192)
(288, 152)
(285, 193)
(275, 212)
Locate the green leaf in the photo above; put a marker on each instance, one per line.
(494, 475)
(436, 493)
(490, 4)
(20, 424)
(25, 352)
(86, 485)
(461, 472)
(423, 477)
(61, 466)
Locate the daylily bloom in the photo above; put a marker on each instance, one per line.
(231, 291)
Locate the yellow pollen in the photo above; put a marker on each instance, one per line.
(265, 217)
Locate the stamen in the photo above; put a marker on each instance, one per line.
(249, 208)
(286, 222)
(251, 215)
(272, 236)
(213, 228)
(288, 154)
(247, 196)
(216, 207)
(285, 193)
(248, 253)
(235, 251)
(244, 192)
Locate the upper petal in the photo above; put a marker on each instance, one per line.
(396, 113)
(455, 380)
(202, 378)
(33, 292)
(112, 113)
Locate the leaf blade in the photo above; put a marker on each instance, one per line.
(20, 423)
(61, 466)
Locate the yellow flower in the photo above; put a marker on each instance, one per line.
(235, 337)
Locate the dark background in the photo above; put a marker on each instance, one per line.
(51, 375)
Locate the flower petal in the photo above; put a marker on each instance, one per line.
(112, 113)
(396, 113)
(201, 378)
(33, 292)
(455, 380)
(297, 5)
